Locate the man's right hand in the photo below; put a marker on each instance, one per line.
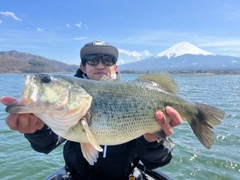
(24, 123)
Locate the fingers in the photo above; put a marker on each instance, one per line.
(24, 123)
(175, 120)
(174, 115)
(29, 123)
(35, 123)
(166, 127)
(11, 121)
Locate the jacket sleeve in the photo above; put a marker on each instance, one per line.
(153, 154)
(44, 140)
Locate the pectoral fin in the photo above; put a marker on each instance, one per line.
(89, 153)
(90, 135)
(90, 150)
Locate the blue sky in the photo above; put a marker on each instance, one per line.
(57, 29)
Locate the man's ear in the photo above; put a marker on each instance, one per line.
(82, 68)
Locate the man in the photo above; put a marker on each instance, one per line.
(98, 59)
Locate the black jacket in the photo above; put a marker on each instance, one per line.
(116, 163)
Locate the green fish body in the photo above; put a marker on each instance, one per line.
(110, 112)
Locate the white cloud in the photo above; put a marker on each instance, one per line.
(40, 29)
(11, 14)
(78, 24)
(68, 26)
(120, 61)
(80, 38)
(135, 54)
(0, 21)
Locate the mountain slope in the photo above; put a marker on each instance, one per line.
(21, 62)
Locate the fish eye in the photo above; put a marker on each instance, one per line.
(46, 79)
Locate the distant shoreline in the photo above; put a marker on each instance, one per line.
(40, 73)
(184, 72)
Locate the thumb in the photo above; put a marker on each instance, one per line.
(7, 100)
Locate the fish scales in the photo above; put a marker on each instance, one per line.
(117, 109)
(121, 115)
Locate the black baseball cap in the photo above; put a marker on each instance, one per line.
(98, 47)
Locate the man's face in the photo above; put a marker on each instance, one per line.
(98, 71)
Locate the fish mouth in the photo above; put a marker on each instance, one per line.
(31, 90)
(27, 79)
(30, 95)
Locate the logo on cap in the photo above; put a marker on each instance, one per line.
(98, 43)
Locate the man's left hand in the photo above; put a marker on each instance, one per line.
(165, 126)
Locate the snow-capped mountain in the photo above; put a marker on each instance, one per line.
(183, 48)
(184, 57)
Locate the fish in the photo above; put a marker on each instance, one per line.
(111, 112)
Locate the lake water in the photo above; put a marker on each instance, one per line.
(191, 160)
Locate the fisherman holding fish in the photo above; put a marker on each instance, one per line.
(98, 60)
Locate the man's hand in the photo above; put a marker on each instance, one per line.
(24, 123)
(165, 126)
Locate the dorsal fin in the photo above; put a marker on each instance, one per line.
(161, 78)
(109, 79)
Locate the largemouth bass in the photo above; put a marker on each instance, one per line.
(109, 112)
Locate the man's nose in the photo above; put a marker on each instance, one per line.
(100, 64)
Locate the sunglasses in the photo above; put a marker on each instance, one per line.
(94, 59)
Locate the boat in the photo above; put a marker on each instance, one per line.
(146, 174)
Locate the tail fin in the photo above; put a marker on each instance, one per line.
(207, 118)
